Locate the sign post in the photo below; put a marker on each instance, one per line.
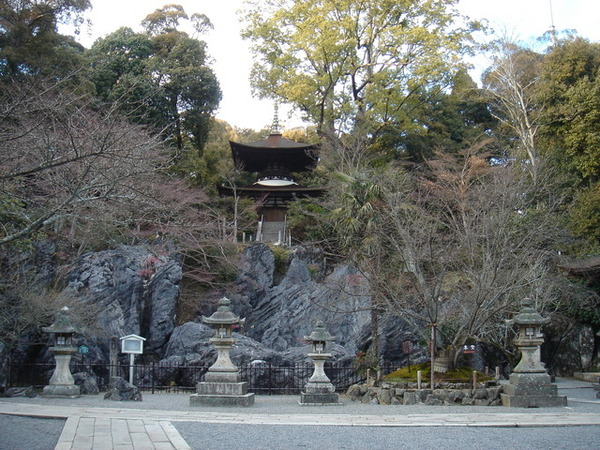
(134, 345)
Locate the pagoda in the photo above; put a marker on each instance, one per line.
(274, 159)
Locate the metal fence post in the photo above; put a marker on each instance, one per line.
(9, 367)
(153, 375)
(270, 388)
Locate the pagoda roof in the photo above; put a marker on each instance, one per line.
(589, 267)
(255, 156)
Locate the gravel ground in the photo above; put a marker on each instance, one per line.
(278, 437)
(288, 404)
(30, 433)
(18, 432)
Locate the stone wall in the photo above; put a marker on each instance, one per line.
(408, 394)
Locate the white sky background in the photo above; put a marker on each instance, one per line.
(520, 19)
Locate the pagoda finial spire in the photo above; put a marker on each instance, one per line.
(276, 128)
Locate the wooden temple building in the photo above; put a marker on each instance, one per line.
(587, 269)
(273, 160)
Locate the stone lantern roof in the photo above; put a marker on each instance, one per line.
(320, 334)
(528, 315)
(223, 315)
(62, 324)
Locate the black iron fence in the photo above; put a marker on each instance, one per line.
(262, 377)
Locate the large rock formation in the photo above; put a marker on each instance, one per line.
(569, 346)
(134, 291)
(280, 315)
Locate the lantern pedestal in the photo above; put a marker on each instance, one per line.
(57, 391)
(215, 394)
(222, 385)
(529, 385)
(62, 384)
(318, 389)
(529, 390)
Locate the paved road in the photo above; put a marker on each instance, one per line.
(263, 437)
(18, 432)
(278, 422)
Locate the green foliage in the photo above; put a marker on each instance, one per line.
(549, 109)
(30, 43)
(308, 221)
(358, 214)
(162, 78)
(354, 67)
(585, 214)
(209, 167)
(282, 258)
(570, 95)
(569, 98)
(164, 20)
(447, 122)
(121, 53)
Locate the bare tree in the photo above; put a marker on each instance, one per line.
(512, 82)
(77, 172)
(64, 162)
(459, 246)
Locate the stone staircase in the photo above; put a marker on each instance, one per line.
(273, 232)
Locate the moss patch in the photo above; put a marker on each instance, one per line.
(409, 373)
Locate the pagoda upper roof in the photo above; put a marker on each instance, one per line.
(255, 156)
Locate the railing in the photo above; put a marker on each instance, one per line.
(262, 377)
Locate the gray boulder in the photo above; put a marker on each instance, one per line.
(190, 338)
(21, 392)
(122, 391)
(87, 383)
(190, 344)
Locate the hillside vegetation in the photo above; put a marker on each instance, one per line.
(453, 200)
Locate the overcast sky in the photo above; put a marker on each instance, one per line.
(521, 19)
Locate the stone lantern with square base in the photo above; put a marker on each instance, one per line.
(319, 390)
(62, 383)
(222, 385)
(529, 385)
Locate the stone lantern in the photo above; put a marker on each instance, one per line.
(529, 384)
(222, 385)
(318, 389)
(62, 383)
